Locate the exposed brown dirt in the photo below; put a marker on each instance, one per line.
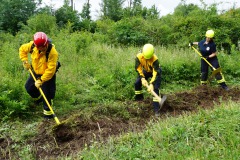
(72, 136)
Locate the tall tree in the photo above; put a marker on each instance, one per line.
(151, 13)
(86, 22)
(65, 14)
(85, 14)
(137, 8)
(14, 12)
(112, 9)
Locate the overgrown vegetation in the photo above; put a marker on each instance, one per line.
(97, 76)
(91, 72)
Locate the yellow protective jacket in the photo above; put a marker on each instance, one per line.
(149, 65)
(40, 64)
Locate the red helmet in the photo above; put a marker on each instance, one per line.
(40, 39)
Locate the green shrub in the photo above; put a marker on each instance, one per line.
(13, 99)
(40, 22)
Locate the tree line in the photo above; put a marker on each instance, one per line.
(130, 25)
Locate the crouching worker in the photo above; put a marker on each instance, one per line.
(43, 64)
(147, 66)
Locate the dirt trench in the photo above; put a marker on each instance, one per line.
(71, 137)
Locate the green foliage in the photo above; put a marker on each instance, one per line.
(184, 10)
(188, 23)
(102, 28)
(12, 100)
(69, 45)
(136, 10)
(230, 66)
(14, 12)
(45, 10)
(112, 9)
(94, 67)
(5, 38)
(151, 13)
(129, 32)
(85, 14)
(178, 72)
(122, 26)
(94, 73)
(66, 14)
(40, 22)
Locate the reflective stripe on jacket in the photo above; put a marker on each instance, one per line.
(40, 64)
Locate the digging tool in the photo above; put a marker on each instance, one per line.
(49, 106)
(215, 71)
(161, 100)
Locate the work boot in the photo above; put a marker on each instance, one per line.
(224, 86)
(139, 97)
(47, 114)
(156, 108)
(48, 117)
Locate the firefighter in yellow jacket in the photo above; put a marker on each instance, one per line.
(147, 66)
(43, 67)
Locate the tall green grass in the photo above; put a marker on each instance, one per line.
(206, 135)
(94, 73)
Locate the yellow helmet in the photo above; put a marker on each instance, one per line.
(210, 34)
(148, 51)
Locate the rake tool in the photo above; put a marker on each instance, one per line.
(215, 71)
(160, 100)
(49, 106)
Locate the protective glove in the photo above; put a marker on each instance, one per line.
(26, 65)
(150, 87)
(190, 44)
(38, 83)
(144, 82)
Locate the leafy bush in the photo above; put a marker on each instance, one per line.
(129, 32)
(40, 22)
(12, 99)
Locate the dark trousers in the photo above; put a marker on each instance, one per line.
(48, 88)
(156, 85)
(204, 70)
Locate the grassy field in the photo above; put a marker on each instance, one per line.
(97, 76)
